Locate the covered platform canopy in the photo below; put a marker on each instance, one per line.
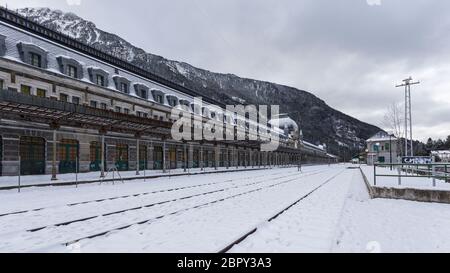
(22, 107)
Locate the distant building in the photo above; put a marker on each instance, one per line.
(381, 148)
(443, 156)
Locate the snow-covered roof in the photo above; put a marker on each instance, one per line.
(283, 121)
(381, 136)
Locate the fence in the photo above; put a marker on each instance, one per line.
(435, 171)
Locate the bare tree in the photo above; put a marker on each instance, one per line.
(393, 121)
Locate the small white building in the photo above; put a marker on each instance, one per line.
(444, 156)
(382, 148)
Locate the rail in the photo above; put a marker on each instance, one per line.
(435, 171)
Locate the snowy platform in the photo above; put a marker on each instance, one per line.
(421, 183)
(12, 182)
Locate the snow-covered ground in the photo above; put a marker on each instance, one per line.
(386, 225)
(206, 213)
(406, 182)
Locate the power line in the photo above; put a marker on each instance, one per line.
(408, 114)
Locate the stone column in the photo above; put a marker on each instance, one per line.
(191, 156)
(151, 159)
(217, 156)
(164, 157)
(137, 155)
(54, 151)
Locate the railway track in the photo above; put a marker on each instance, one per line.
(128, 196)
(153, 204)
(242, 238)
(184, 210)
(174, 211)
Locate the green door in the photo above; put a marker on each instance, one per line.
(157, 158)
(68, 156)
(32, 155)
(95, 157)
(196, 159)
(173, 158)
(122, 157)
(143, 157)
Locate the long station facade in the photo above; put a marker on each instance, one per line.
(68, 107)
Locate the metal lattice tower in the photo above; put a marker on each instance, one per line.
(408, 116)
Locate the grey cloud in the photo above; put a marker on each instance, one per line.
(346, 52)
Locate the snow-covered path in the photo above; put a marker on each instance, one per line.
(329, 211)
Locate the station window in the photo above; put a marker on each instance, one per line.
(143, 93)
(103, 106)
(35, 59)
(118, 109)
(75, 100)
(126, 111)
(100, 80)
(145, 115)
(2, 83)
(25, 89)
(41, 93)
(63, 97)
(124, 87)
(159, 99)
(171, 102)
(72, 71)
(93, 104)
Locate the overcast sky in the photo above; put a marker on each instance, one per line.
(350, 53)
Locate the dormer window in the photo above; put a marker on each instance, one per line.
(35, 59)
(72, 71)
(158, 96)
(98, 76)
(172, 101)
(141, 90)
(159, 99)
(100, 80)
(122, 84)
(123, 87)
(33, 55)
(2, 45)
(70, 67)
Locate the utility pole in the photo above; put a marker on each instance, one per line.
(408, 114)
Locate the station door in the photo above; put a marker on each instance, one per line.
(32, 155)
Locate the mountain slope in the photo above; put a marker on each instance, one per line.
(320, 123)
